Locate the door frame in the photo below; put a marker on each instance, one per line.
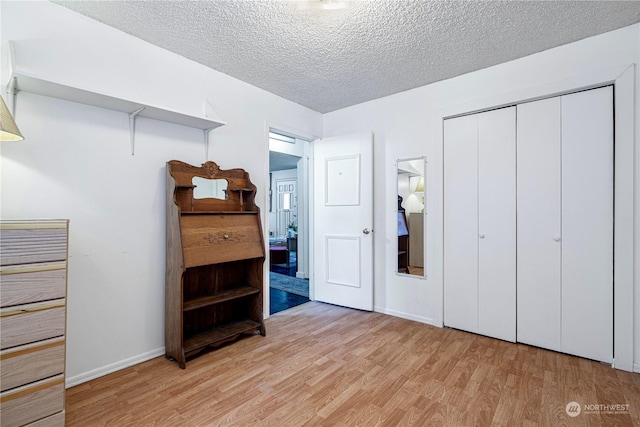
(623, 80)
(305, 185)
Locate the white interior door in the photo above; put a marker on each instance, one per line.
(479, 225)
(587, 224)
(343, 220)
(565, 224)
(286, 206)
(539, 227)
(461, 223)
(497, 223)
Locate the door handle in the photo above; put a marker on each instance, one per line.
(557, 238)
(481, 235)
(366, 231)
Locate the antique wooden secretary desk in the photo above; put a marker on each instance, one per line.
(215, 256)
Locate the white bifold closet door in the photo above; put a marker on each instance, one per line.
(479, 225)
(539, 223)
(565, 224)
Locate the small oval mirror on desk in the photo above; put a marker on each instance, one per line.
(410, 212)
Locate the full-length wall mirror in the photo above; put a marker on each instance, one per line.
(411, 216)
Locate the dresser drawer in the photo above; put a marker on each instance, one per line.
(55, 420)
(24, 284)
(32, 362)
(26, 243)
(23, 324)
(32, 402)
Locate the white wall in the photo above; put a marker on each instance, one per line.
(76, 163)
(405, 125)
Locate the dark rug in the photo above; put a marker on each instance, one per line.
(289, 284)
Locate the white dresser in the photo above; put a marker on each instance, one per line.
(33, 285)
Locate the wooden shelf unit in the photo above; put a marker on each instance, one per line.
(216, 212)
(219, 335)
(215, 257)
(217, 298)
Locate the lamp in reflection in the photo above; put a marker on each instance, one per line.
(420, 189)
(420, 186)
(8, 129)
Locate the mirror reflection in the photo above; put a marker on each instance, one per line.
(410, 216)
(209, 188)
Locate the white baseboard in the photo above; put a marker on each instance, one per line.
(113, 367)
(427, 320)
(636, 367)
(302, 275)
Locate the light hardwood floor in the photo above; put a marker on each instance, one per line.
(325, 365)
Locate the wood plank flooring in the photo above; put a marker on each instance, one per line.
(322, 365)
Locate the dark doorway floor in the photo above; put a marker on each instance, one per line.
(281, 300)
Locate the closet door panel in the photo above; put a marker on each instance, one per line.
(539, 223)
(460, 223)
(587, 224)
(497, 223)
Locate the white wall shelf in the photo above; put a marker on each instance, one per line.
(20, 80)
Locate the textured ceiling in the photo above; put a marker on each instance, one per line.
(330, 59)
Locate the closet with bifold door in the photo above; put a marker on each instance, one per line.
(565, 223)
(480, 223)
(528, 223)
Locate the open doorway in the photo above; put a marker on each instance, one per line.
(288, 222)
